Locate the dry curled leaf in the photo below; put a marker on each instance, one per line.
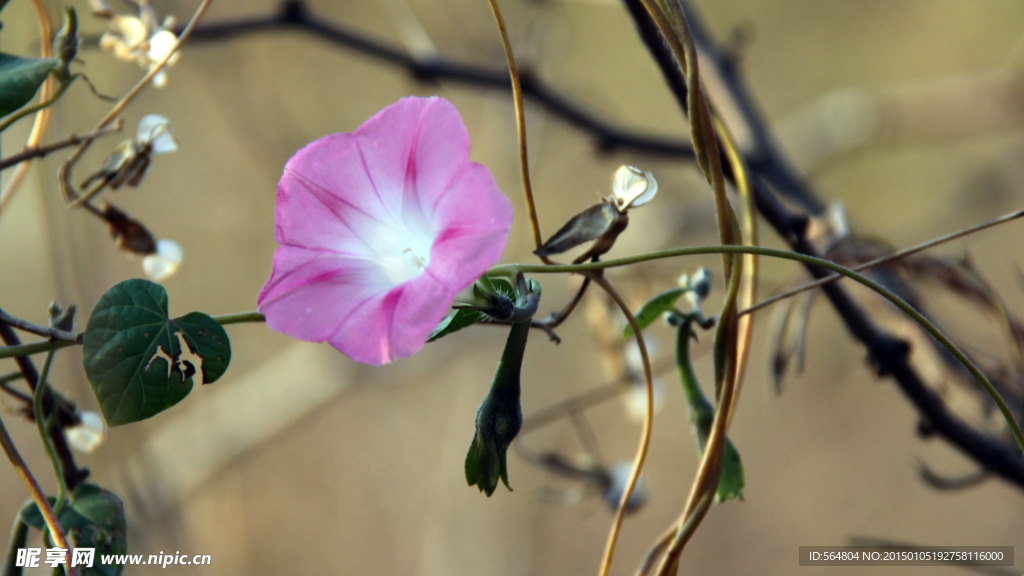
(129, 234)
(602, 222)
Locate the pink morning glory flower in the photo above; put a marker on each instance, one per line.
(379, 229)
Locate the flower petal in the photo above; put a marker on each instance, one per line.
(395, 325)
(311, 293)
(378, 231)
(474, 219)
(324, 201)
(156, 130)
(161, 44)
(416, 146)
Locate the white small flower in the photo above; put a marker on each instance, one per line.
(619, 476)
(87, 435)
(161, 44)
(632, 187)
(164, 262)
(155, 131)
(635, 399)
(631, 355)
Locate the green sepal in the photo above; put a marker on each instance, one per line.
(462, 318)
(465, 316)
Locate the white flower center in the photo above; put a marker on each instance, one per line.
(403, 253)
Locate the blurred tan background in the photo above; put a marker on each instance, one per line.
(299, 461)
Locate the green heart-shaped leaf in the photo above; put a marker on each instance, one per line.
(133, 352)
(93, 518)
(20, 78)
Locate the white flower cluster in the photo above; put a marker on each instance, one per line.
(140, 39)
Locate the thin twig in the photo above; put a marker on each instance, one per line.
(687, 525)
(517, 97)
(42, 423)
(656, 550)
(5, 385)
(645, 436)
(37, 495)
(72, 474)
(12, 377)
(555, 319)
(23, 350)
(44, 331)
(31, 152)
(744, 325)
(885, 260)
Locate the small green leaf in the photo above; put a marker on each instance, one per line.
(93, 518)
(731, 482)
(133, 352)
(485, 282)
(654, 308)
(453, 323)
(20, 79)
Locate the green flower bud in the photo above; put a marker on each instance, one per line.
(499, 417)
(65, 44)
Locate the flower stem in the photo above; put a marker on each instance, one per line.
(517, 97)
(36, 108)
(884, 260)
(33, 487)
(786, 255)
(239, 317)
(42, 389)
(645, 436)
(19, 539)
(47, 346)
(32, 348)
